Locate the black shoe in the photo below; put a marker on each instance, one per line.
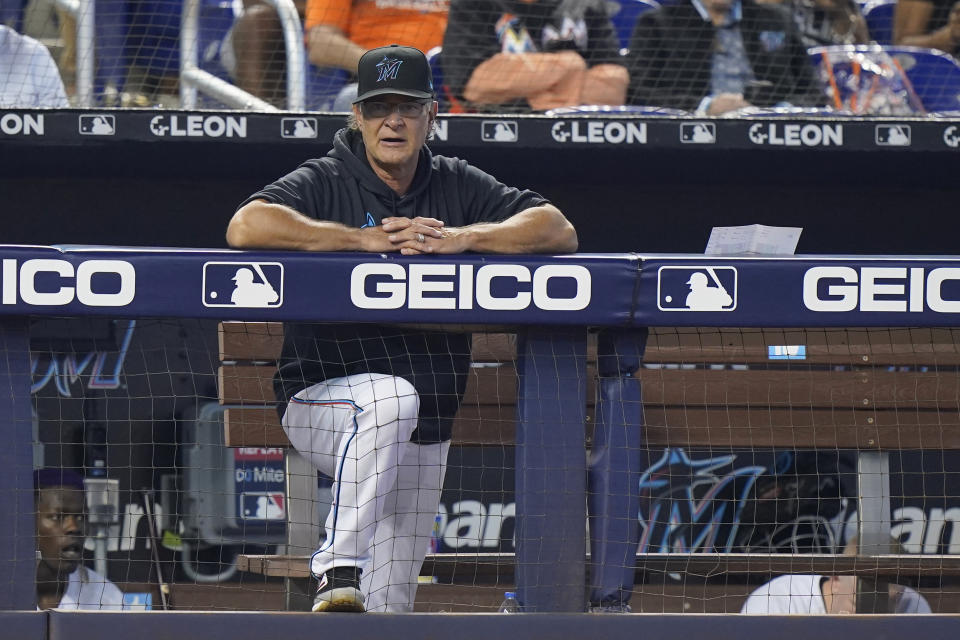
(339, 590)
(609, 607)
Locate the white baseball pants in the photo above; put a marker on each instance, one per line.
(386, 489)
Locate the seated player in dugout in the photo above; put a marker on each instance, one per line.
(518, 55)
(372, 406)
(816, 594)
(63, 582)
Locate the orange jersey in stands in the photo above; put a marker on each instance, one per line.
(377, 23)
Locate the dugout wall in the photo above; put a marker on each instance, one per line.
(628, 184)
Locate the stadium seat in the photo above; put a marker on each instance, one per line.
(879, 17)
(323, 85)
(155, 35)
(449, 103)
(11, 14)
(436, 67)
(934, 76)
(113, 53)
(627, 14)
(216, 18)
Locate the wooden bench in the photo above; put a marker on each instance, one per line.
(872, 390)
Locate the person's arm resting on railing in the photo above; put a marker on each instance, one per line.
(264, 225)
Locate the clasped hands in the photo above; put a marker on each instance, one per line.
(413, 236)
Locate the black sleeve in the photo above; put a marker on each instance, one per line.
(303, 190)
(806, 90)
(486, 199)
(470, 39)
(603, 46)
(787, 71)
(655, 74)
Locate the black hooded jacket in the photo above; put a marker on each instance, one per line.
(342, 187)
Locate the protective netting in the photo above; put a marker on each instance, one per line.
(679, 56)
(760, 454)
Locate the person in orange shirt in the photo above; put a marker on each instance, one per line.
(338, 32)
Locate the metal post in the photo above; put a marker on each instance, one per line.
(189, 51)
(303, 525)
(18, 534)
(86, 52)
(296, 60)
(84, 11)
(551, 466)
(873, 513)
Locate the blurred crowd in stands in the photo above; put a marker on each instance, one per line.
(708, 57)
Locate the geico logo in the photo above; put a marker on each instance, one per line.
(431, 286)
(200, 126)
(901, 289)
(596, 132)
(50, 271)
(14, 124)
(796, 135)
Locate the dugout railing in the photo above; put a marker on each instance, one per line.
(622, 292)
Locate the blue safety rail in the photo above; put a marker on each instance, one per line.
(605, 290)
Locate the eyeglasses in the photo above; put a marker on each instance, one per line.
(410, 109)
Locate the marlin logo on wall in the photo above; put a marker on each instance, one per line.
(690, 505)
(102, 368)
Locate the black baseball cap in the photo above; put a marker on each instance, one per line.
(394, 69)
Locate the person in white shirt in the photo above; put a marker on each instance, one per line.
(815, 594)
(28, 75)
(823, 594)
(62, 580)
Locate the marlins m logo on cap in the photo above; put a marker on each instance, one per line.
(388, 68)
(379, 73)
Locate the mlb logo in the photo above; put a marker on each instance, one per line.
(263, 505)
(893, 135)
(250, 285)
(298, 127)
(697, 288)
(698, 133)
(100, 124)
(499, 131)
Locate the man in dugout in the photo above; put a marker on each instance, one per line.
(372, 406)
(63, 582)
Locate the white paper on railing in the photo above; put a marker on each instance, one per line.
(753, 239)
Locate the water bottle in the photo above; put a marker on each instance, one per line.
(433, 547)
(435, 534)
(509, 604)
